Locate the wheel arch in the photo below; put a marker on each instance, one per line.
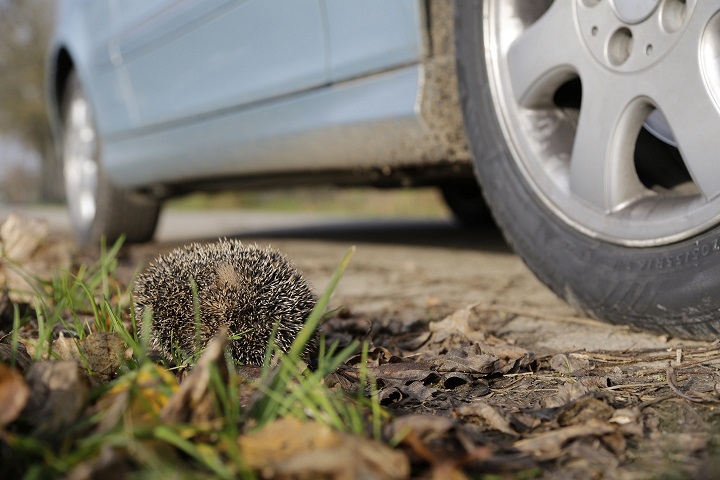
(63, 66)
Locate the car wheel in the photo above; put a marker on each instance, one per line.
(465, 201)
(97, 207)
(595, 128)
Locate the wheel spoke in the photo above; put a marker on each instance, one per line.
(544, 56)
(684, 96)
(696, 130)
(602, 170)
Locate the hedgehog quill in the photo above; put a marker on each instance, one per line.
(250, 290)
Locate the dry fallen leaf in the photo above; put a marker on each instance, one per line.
(21, 236)
(566, 394)
(549, 445)
(25, 242)
(584, 409)
(696, 397)
(426, 427)
(493, 416)
(459, 361)
(139, 397)
(570, 364)
(20, 354)
(14, 394)
(289, 448)
(101, 352)
(461, 321)
(194, 401)
(58, 394)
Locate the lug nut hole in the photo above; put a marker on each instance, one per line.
(619, 46)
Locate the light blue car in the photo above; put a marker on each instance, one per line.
(592, 126)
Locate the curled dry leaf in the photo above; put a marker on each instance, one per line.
(289, 448)
(194, 401)
(549, 445)
(426, 427)
(100, 352)
(461, 321)
(14, 394)
(19, 354)
(584, 409)
(405, 371)
(58, 394)
(569, 364)
(566, 394)
(459, 361)
(453, 380)
(493, 416)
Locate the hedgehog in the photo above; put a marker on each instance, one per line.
(250, 290)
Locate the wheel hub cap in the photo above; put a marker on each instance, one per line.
(630, 35)
(634, 11)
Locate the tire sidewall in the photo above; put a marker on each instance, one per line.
(669, 289)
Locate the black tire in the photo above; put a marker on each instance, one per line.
(465, 200)
(671, 289)
(117, 211)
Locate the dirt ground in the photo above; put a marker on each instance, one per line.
(488, 370)
(564, 397)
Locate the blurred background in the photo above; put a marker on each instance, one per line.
(29, 174)
(25, 140)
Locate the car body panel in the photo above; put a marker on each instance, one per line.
(236, 54)
(353, 123)
(187, 91)
(372, 35)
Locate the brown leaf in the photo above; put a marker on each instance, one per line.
(479, 363)
(454, 380)
(289, 448)
(21, 236)
(458, 321)
(22, 358)
(549, 445)
(25, 242)
(425, 426)
(404, 371)
(426, 435)
(696, 397)
(494, 417)
(139, 397)
(585, 409)
(405, 381)
(390, 395)
(570, 364)
(101, 352)
(566, 394)
(14, 394)
(194, 401)
(58, 393)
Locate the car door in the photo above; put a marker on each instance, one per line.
(202, 57)
(372, 35)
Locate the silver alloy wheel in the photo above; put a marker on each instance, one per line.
(649, 65)
(80, 165)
